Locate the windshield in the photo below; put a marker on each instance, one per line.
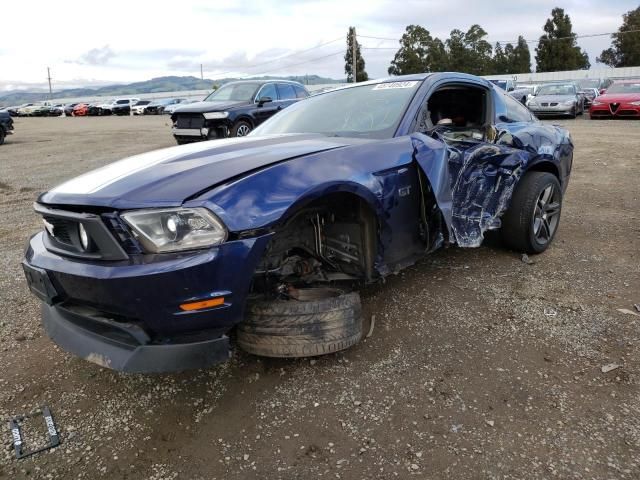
(589, 83)
(500, 83)
(237, 92)
(372, 111)
(624, 88)
(567, 89)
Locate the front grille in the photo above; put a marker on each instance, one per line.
(614, 107)
(554, 104)
(544, 104)
(190, 120)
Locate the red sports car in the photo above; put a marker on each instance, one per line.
(81, 110)
(621, 100)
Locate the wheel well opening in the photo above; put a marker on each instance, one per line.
(545, 167)
(330, 240)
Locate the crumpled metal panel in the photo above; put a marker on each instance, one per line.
(483, 177)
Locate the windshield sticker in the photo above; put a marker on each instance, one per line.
(389, 85)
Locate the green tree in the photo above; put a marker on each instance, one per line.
(557, 49)
(469, 52)
(418, 53)
(521, 59)
(625, 49)
(361, 73)
(500, 62)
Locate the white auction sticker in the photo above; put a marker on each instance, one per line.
(388, 85)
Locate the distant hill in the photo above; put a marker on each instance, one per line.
(160, 84)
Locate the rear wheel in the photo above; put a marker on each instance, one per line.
(2, 135)
(534, 215)
(322, 321)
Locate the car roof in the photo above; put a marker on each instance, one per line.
(262, 82)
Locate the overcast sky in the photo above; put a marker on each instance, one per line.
(86, 42)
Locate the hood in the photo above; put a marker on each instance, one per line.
(618, 97)
(554, 98)
(203, 107)
(167, 177)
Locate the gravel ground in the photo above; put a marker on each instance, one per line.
(480, 365)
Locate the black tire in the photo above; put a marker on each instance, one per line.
(573, 112)
(2, 135)
(523, 228)
(292, 328)
(240, 129)
(180, 141)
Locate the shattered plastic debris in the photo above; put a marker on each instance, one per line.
(626, 311)
(609, 367)
(525, 259)
(637, 306)
(550, 312)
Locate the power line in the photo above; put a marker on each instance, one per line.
(277, 58)
(591, 35)
(341, 52)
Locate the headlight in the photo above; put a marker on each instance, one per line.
(174, 229)
(569, 102)
(214, 115)
(596, 102)
(636, 103)
(532, 103)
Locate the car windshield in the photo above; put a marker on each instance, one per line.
(143, 102)
(567, 89)
(238, 92)
(500, 83)
(589, 83)
(372, 111)
(624, 88)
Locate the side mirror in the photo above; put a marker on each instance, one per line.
(263, 100)
(510, 89)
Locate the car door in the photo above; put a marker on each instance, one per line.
(287, 94)
(263, 111)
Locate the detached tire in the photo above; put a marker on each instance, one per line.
(533, 217)
(293, 328)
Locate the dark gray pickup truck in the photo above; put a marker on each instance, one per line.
(6, 125)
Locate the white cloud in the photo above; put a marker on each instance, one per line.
(128, 41)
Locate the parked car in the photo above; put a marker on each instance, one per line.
(68, 109)
(123, 106)
(146, 264)
(169, 109)
(140, 106)
(80, 110)
(94, 109)
(105, 108)
(600, 83)
(556, 99)
(508, 85)
(13, 110)
(158, 107)
(39, 109)
(6, 125)
(621, 100)
(589, 94)
(56, 110)
(234, 109)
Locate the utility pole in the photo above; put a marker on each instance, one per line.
(201, 73)
(49, 78)
(353, 55)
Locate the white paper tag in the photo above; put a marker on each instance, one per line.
(390, 85)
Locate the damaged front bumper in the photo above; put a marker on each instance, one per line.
(126, 315)
(82, 336)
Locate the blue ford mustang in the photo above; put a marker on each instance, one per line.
(147, 264)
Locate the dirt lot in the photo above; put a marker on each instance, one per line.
(480, 365)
